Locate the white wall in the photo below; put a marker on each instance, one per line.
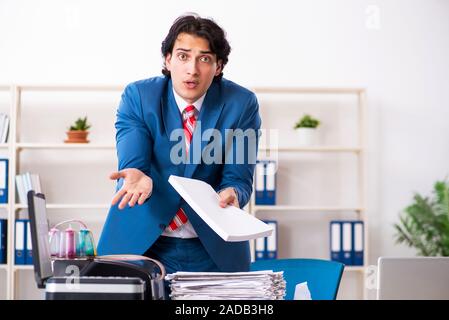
(398, 50)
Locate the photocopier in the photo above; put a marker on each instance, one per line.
(116, 277)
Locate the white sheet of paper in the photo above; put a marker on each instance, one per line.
(230, 223)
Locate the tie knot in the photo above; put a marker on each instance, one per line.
(189, 111)
(189, 108)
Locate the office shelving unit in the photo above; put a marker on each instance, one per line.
(15, 146)
(359, 209)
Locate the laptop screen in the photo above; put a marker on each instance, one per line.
(39, 237)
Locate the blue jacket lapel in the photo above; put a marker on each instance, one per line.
(170, 112)
(171, 119)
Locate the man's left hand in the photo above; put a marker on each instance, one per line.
(228, 197)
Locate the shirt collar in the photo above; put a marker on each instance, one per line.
(182, 104)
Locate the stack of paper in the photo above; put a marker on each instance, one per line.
(255, 285)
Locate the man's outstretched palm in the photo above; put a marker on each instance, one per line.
(137, 187)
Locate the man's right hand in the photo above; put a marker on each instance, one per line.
(137, 187)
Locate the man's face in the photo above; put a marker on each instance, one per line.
(192, 66)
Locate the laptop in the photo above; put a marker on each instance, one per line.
(418, 278)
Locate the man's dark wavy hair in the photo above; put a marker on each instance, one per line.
(201, 27)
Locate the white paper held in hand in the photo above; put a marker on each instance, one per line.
(230, 223)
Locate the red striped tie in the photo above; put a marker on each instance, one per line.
(189, 122)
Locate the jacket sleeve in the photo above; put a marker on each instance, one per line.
(133, 138)
(241, 152)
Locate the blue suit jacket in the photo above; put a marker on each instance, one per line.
(146, 117)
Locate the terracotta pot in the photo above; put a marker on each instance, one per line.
(77, 136)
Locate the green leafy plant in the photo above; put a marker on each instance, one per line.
(424, 224)
(80, 124)
(307, 121)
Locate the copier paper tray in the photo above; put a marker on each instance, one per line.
(94, 288)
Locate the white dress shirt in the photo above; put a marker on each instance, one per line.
(185, 231)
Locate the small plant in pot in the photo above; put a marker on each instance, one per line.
(77, 132)
(306, 129)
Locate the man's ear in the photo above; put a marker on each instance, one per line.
(219, 67)
(167, 61)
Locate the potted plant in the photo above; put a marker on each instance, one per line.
(424, 224)
(306, 130)
(77, 133)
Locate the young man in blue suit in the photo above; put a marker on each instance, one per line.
(213, 114)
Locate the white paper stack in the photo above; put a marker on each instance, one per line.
(254, 285)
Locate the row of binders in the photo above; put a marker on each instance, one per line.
(4, 127)
(265, 182)
(23, 250)
(253, 285)
(26, 182)
(347, 242)
(267, 247)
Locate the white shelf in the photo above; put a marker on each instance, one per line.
(303, 208)
(68, 206)
(313, 149)
(308, 90)
(70, 87)
(354, 269)
(4, 145)
(23, 267)
(3, 267)
(65, 146)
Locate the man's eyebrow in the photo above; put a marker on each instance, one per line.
(189, 50)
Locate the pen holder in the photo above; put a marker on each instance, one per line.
(69, 243)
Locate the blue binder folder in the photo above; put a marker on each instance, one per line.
(29, 246)
(346, 234)
(4, 180)
(3, 243)
(260, 249)
(272, 241)
(358, 243)
(20, 241)
(335, 241)
(259, 181)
